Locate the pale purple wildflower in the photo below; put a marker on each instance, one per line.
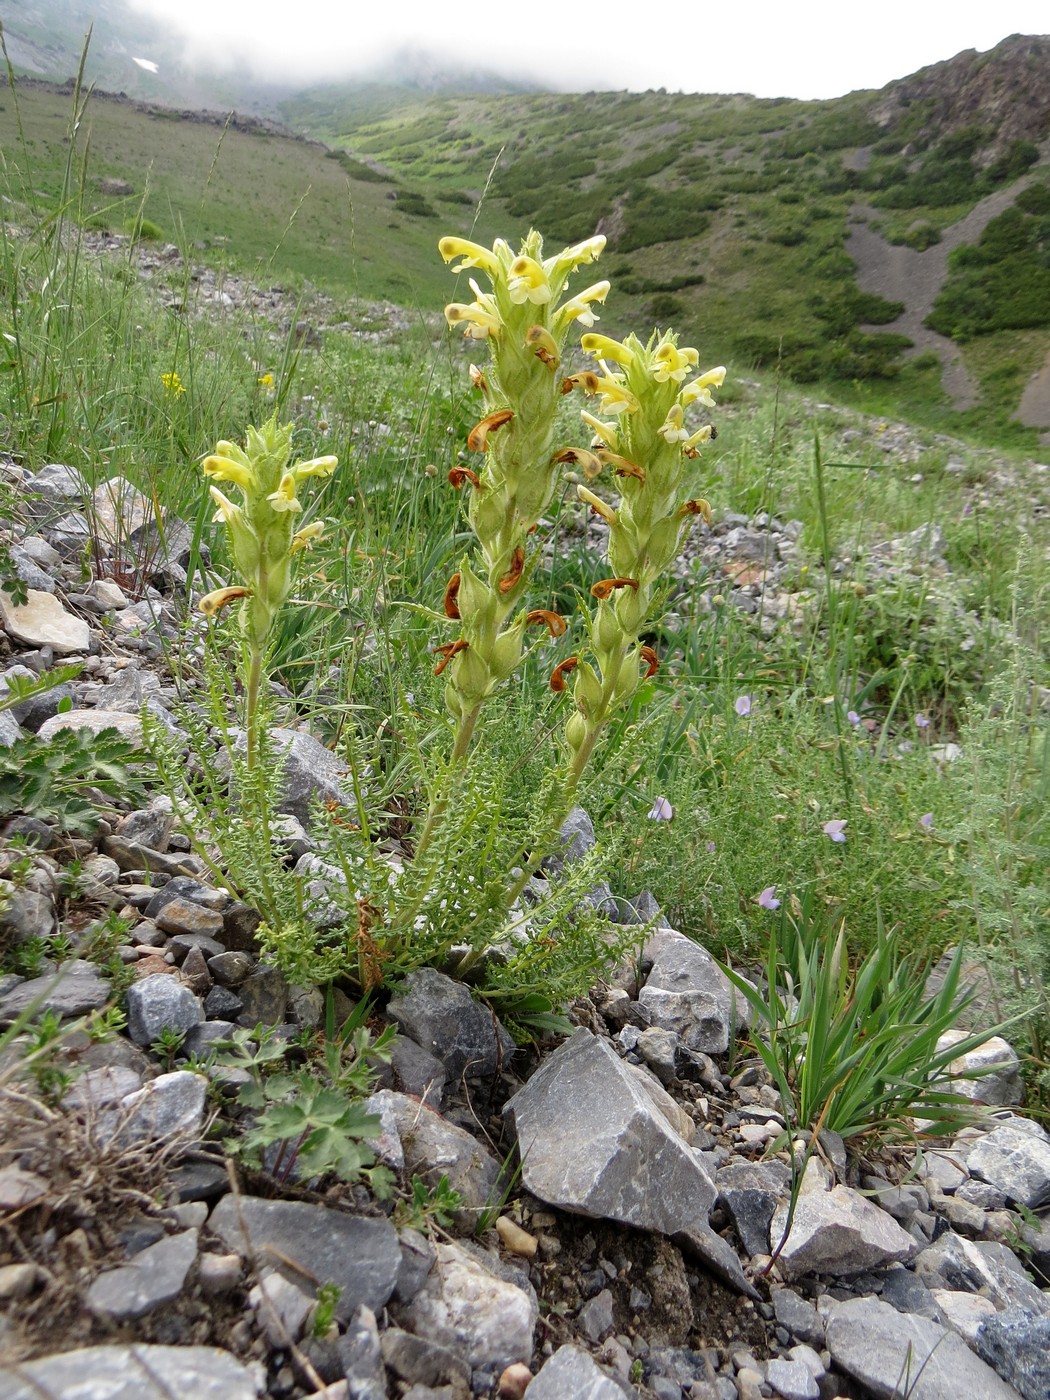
(926, 821)
(743, 705)
(710, 848)
(921, 722)
(661, 810)
(768, 898)
(853, 718)
(836, 830)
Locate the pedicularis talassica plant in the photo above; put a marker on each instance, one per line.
(641, 442)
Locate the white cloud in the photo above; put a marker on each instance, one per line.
(767, 47)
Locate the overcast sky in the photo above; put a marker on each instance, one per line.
(773, 48)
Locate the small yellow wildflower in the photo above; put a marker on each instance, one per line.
(173, 384)
(265, 381)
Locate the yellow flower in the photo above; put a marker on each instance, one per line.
(473, 255)
(265, 380)
(224, 468)
(597, 505)
(700, 388)
(616, 397)
(579, 307)
(307, 537)
(213, 603)
(481, 316)
(284, 497)
(604, 348)
(528, 282)
(605, 431)
(316, 466)
(587, 251)
(670, 362)
(673, 428)
(172, 383)
(227, 512)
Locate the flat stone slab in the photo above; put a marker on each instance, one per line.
(897, 1354)
(132, 1373)
(325, 1246)
(837, 1232)
(42, 621)
(75, 989)
(154, 1276)
(572, 1372)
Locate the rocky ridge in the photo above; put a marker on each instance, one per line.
(634, 1257)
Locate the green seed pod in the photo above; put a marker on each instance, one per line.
(627, 680)
(663, 543)
(587, 691)
(575, 732)
(477, 602)
(470, 676)
(608, 634)
(506, 653)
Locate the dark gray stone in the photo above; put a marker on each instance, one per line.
(1017, 1345)
(751, 1192)
(418, 1360)
(362, 1357)
(185, 887)
(157, 1003)
(442, 1017)
(417, 1072)
(799, 1317)
(153, 1277)
(139, 1372)
(229, 969)
(596, 1316)
(418, 1256)
(222, 1004)
(361, 1256)
(688, 993)
(186, 920)
(239, 922)
(24, 913)
(73, 990)
(264, 997)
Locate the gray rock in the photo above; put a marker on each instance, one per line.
(24, 913)
(361, 1256)
(577, 838)
(56, 488)
(264, 997)
(229, 969)
(962, 1265)
(792, 1379)
(464, 1306)
(183, 916)
(103, 1087)
(73, 990)
(420, 1360)
(170, 1107)
(1016, 1158)
(962, 1312)
(42, 621)
(592, 1142)
(157, 1003)
(417, 1072)
(571, 1374)
(442, 1017)
(688, 993)
(29, 571)
(185, 887)
(596, 1316)
(434, 1147)
(990, 1073)
(32, 713)
(311, 773)
(750, 1192)
(281, 1307)
(140, 1372)
(10, 730)
(129, 727)
(362, 1358)
(799, 1317)
(1017, 1345)
(153, 1277)
(326, 898)
(152, 827)
(894, 1354)
(129, 855)
(909, 1293)
(836, 1232)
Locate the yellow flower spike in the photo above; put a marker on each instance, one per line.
(227, 512)
(316, 466)
(473, 255)
(284, 498)
(528, 282)
(213, 603)
(603, 347)
(307, 537)
(224, 468)
(670, 362)
(700, 388)
(606, 432)
(579, 307)
(597, 505)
